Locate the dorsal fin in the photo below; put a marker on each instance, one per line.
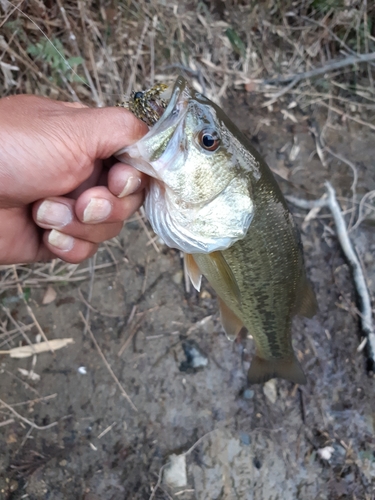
(231, 323)
(193, 271)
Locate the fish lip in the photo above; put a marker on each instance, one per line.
(176, 108)
(173, 117)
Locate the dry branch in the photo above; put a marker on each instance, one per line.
(360, 284)
(292, 80)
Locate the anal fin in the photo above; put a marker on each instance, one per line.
(193, 271)
(231, 323)
(262, 370)
(227, 276)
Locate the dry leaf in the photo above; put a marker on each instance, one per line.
(26, 350)
(49, 296)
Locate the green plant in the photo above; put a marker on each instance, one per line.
(52, 53)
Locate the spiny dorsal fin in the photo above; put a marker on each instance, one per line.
(231, 323)
(222, 268)
(193, 271)
(262, 370)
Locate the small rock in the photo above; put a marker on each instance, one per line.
(205, 295)
(248, 394)
(175, 473)
(326, 452)
(177, 277)
(270, 391)
(194, 357)
(245, 438)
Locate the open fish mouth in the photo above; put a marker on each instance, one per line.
(172, 120)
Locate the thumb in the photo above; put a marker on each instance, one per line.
(106, 130)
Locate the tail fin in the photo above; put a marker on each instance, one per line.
(262, 370)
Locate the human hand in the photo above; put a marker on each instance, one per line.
(58, 198)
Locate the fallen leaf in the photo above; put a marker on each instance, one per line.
(49, 296)
(26, 351)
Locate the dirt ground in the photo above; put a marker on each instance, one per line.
(265, 442)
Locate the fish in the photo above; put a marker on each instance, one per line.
(212, 196)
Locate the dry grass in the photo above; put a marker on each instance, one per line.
(257, 46)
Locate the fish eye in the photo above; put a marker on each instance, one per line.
(209, 140)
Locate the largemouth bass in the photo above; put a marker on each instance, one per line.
(212, 196)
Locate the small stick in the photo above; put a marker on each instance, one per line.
(359, 280)
(123, 392)
(292, 80)
(32, 401)
(30, 311)
(137, 55)
(7, 422)
(103, 433)
(151, 239)
(28, 422)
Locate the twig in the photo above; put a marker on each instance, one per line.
(92, 262)
(123, 392)
(137, 55)
(73, 40)
(28, 422)
(353, 187)
(292, 80)
(359, 280)
(30, 311)
(32, 401)
(133, 331)
(103, 433)
(342, 113)
(7, 422)
(97, 311)
(151, 240)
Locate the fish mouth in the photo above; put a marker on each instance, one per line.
(175, 111)
(171, 123)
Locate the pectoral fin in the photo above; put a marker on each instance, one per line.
(226, 276)
(262, 370)
(306, 304)
(231, 323)
(193, 271)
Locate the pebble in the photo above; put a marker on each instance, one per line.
(175, 473)
(248, 394)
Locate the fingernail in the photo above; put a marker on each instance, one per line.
(131, 185)
(60, 240)
(97, 210)
(54, 214)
